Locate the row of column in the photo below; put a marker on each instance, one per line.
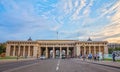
(25, 50)
(79, 49)
(46, 54)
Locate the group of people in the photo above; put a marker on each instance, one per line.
(96, 57)
(90, 57)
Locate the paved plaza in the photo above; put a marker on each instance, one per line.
(59, 65)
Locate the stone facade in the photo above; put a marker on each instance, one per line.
(49, 48)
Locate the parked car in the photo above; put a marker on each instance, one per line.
(42, 57)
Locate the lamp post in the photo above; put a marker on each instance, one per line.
(57, 35)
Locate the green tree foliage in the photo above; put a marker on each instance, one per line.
(110, 50)
(2, 48)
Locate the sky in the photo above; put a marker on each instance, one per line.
(60, 19)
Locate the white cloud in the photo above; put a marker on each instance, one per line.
(113, 40)
(110, 8)
(70, 5)
(111, 32)
(55, 28)
(74, 10)
(76, 3)
(77, 12)
(87, 9)
(116, 17)
(25, 14)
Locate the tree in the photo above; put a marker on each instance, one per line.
(117, 49)
(2, 48)
(110, 50)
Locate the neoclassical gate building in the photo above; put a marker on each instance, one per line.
(55, 48)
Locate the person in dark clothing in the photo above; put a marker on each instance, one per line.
(95, 57)
(113, 57)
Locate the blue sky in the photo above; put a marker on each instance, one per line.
(72, 19)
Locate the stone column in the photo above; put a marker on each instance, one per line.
(105, 49)
(75, 51)
(84, 49)
(60, 52)
(13, 50)
(46, 52)
(18, 50)
(24, 51)
(94, 49)
(78, 50)
(35, 48)
(67, 51)
(28, 51)
(40, 51)
(8, 50)
(53, 52)
(89, 49)
(99, 49)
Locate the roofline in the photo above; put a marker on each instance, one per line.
(53, 40)
(19, 41)
(56, 40)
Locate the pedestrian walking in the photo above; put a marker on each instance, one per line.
(113, 56)
(89, 56)
(95, 57)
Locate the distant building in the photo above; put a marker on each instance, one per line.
(113, 45)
